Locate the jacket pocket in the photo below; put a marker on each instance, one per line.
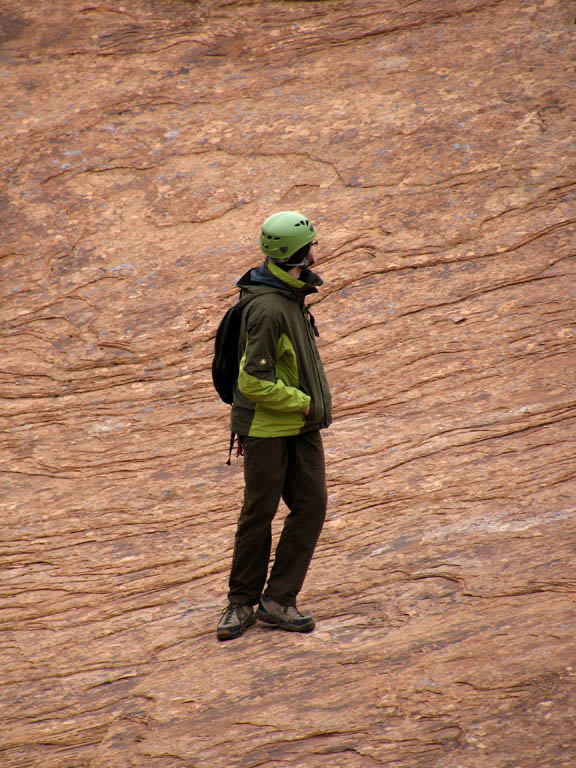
(316, 409)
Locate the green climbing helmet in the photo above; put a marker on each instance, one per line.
(284, 233)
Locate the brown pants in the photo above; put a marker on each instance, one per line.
(291, 468)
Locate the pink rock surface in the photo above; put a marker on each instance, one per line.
(433, 146)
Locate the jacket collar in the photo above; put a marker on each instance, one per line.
(270, 274)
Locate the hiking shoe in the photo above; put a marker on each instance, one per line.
(284, 616)
(234, 621)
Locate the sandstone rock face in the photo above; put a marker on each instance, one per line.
(433, 146)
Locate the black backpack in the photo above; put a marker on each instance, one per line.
(225, 364)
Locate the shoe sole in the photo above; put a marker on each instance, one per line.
(228, 634)
(268, 618)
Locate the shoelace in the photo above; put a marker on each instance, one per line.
(227, 613)
(296, 611)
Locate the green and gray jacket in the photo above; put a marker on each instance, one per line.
(281, 374)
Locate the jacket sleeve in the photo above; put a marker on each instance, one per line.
(257, 376)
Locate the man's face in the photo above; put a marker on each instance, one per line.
(311, 253)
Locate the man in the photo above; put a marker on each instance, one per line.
(281, 401)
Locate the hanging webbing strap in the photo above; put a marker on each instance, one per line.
(232, 436)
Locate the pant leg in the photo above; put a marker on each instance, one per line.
(265, 462)
(305, 495)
